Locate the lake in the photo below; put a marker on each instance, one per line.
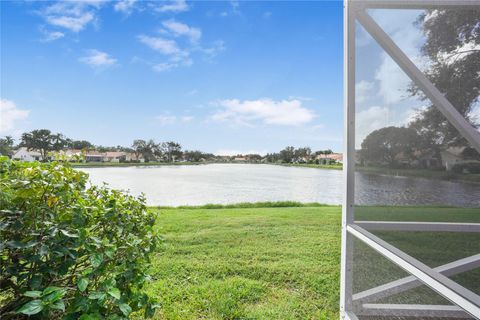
(233, 183)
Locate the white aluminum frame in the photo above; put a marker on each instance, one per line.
(467, 303)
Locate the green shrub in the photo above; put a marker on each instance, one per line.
(70, 251)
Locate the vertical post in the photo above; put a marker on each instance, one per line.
(349, 157)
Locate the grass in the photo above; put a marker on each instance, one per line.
(251, 261)
(244, 205)
(337, 166)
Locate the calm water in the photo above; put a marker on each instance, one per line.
(233, 183)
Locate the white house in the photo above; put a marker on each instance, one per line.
(453, 156)
(26, 155)
(329, 158)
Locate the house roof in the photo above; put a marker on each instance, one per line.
(34, 153)
(115, 154)
(332, 156)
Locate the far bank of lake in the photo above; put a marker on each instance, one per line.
(177, 185)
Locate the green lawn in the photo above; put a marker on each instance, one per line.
(283, 262)
(337, 166)
(249, 263)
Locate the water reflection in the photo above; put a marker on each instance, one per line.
(233, 183)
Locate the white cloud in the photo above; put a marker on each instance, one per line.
(75, 24)
(178, 52)
(192, 92)
(98, 59)
(267, 111)
(176, 57)
(362, 90)
(167, 119)
(458, 53)
(182, 29)
(125, 6)
(399, 25)
(474, 114)
(377, 117)
(217, 47)
(369, 120)
(52, 35)
(71, 15)
(10, 115)
(174, 6)
(162, 45)
(161, 67)
(301, 98)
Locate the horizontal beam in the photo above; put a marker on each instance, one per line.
(414, 310)
(418, 226)
(418, 77)
(414, 4)
(449, 289)
(410, 282)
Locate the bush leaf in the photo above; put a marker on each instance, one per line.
(58, 305)
(82, 284)
(125, 308)
(96, 259)
(33, 294)
(32, 307)
(114, 292)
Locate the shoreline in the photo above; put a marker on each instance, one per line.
(422, 173)
(190, 163)
(415, 173)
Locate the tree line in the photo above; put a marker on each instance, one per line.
(46, 142)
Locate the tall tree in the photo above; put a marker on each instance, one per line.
(304, 152)
(194, 155)
(149, 150)
(172, 150)
(452, 47)
(384, 145)
(44, 141)
(287, 154)
(80, 144)
(138, 146)
(6, 146)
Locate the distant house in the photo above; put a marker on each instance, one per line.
(24, 154)
(240, 159)
(94, 156)
(454, 155)
(224, 158)
(330, 158)
(115, 156)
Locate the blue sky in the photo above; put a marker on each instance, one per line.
(222, 77)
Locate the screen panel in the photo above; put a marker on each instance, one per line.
(411, 164)
(380, 283)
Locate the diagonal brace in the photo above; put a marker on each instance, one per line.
(417, 76)
(411, 282)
